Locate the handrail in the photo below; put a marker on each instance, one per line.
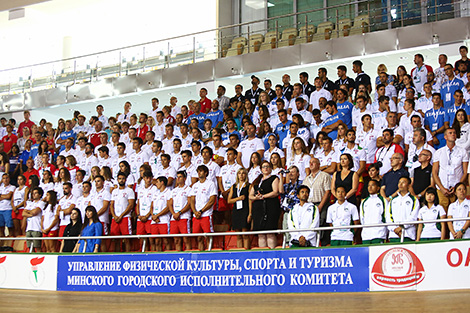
(264, 232)
(186, 35)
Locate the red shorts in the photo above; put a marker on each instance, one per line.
(180, 227)
(52, 233)
(62, 230)
(160, 229)
(105, 229)
(144, 228)
(203, 225)
(224, 206)
(360, 186)
(17, 216)
(122, 228)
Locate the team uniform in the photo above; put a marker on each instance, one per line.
(5, 207)
(82, 203)
(304, 217)
(202, 193)
(18, 197)
(121, 199)
(49, 214)
(247, 147)
(228, 174)
(180, 196)
(145, 198)
(160, 199)
(457, 210)
(65, 202)
(372, 211)
(342, 215)
(402, 209)
(431, 230)
(97, 199)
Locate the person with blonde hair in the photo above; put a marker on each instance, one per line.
(241, 212)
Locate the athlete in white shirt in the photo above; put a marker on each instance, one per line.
(460, 208)
(160, 224)
(341, 213)
(122, 202)
(144, 205)
(372, 211)
(431, 210)
(203, 197)
(101, 198)
(180, 209)
(304, 215)
(248, 146)
(66, 204)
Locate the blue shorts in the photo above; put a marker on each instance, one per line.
(5, 219)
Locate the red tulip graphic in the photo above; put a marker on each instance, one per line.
(35, 262)
(2, 259)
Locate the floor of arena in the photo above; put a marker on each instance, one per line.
(411, 301)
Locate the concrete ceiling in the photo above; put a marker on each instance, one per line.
(6, 5)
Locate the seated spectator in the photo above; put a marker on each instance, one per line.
(390, 180)
(91, 227)
(421, 177)
(346, 178)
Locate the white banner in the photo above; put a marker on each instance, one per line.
(431, 266)
(28, 271)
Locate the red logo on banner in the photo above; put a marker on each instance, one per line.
(397, 268)
(2, 259)
(36, 261)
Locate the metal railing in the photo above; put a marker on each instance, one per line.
(216, 43)
(210, 236)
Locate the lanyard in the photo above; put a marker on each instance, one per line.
(380, 154)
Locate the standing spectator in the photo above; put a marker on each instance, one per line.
(336, 118)
(341, 213)
(203, 196)
(434, 121)
(18, 203)
(122, 202)
(266, 207)
(204, 102)
(101, 118)
(238, 197)
(180, 209)
(458, 209)
(345, 80)
(300, 158)
(126, 115)
(91, 227)
(420, 72)
(449, 168)
(459, 104)
(463, 50)
(419, 144)
(462, 129)
(248, 146)
(304, 215)
(73, 229)
(50, 221)
(383, 156)
(9, 139)
(160, 213)
(439, 72)
(320, 191)
(431, 210)
(421, 176)
(66, 204)
(346, 178)
(26, 123)
(361, 78)
(282, 129)
(449, 88)
(215, 115)
(94, 138)
(390, 180)
(222, 99)
(402, 208)
(6, 193)
(372, 211)
(33, 214)
(287, 88)
(307, 88)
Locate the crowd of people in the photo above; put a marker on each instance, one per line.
(354, 151)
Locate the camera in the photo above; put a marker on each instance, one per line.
(415, 158)
(380, 164)
(284, 171)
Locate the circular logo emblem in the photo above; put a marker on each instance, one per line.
(3, 271)
(397, 268)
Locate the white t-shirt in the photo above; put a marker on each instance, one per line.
(203, 192)
(160, 199)
(180, 196)
(82, 203)
(228, 173)
(253, 173)
(87, 163)
(267, 153)
(65, 203)
(247, 147)
(457, 210)
(135, 161)
(214, 170)
(34, 222)
(98, 197)
(430, 230)
(6, 204)
(302, 162)
(190, 173)
(18, 195)
(368, 142)
(342, 215)
(121, 198)
(145, 198)
(49, 216)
